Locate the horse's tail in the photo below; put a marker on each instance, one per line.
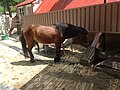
(23, 43)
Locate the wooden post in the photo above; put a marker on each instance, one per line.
(18, 29)
(90, 52)
(18, 25)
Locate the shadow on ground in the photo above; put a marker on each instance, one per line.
(60, 77)
(28, 63)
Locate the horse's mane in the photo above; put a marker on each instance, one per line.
(61, 26)
(70, 30)
(83, 30)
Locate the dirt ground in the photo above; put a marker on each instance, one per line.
(16, 71)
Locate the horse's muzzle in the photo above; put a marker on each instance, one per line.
(87, 44)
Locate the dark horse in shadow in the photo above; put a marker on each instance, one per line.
(56, 34)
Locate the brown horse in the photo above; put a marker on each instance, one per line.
(50, 34)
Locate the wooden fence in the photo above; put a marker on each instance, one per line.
(12, 22)
(96, 18)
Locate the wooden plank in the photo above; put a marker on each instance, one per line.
(51, 18)
(61, 16)
(83, 17)
(108, 17)
(46, 79)
(114, 17)
(36, 18)
(113, 63)
(56, 17)
(62, 85)
(64, 16)
(75, 16)
(87, 56)
(102, 18)
(29, 22)
(79, 17)
(92, 19)
(26, 20)
(68, 16)
(41, 19)
(71, 17)
(96, 39)
(53, 84)
(46, 20)
(118, 19)
(56, 83)
(70, 85)
(97, 18)
(87, 18)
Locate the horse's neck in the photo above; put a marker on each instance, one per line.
(71, 33)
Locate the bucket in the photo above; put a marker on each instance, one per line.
(4, 37)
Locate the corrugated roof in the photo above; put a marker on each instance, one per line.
(112, 0)
(52, 5)
(25, 2)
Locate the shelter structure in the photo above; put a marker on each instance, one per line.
(98, 16)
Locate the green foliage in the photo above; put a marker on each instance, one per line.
(8, 4)
(13, 9)
(1, 9)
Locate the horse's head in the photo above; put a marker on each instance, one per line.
(84, 37)
(69, 31)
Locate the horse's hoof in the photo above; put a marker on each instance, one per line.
(56, 60)
(32, 61)
(26, 56)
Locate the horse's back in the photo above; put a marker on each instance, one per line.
(45, 34)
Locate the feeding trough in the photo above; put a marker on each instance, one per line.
(4, 37)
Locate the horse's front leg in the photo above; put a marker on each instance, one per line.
(38, 46)
(57, 55)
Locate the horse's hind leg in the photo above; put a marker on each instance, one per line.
(10, 32)
(31, 55)
(30, 46)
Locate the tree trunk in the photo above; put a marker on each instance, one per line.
(4, 5)
(8, 8)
